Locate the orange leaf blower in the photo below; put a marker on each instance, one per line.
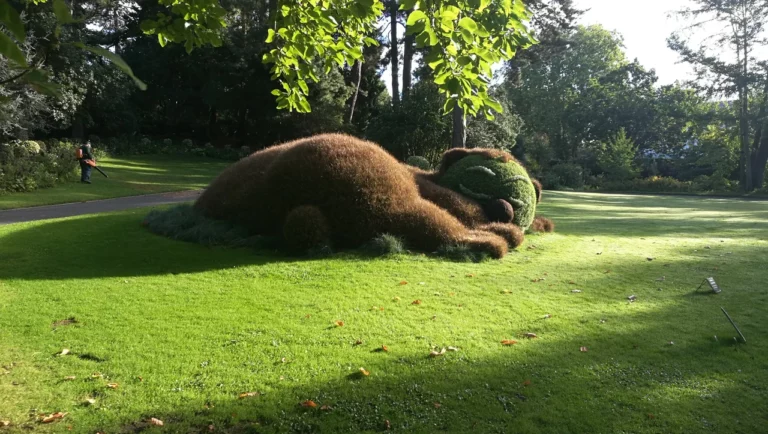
(93, 164)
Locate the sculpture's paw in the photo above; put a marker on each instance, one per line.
(486, 242)
(542, 224)
(511, 233)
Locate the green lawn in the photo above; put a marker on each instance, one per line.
(183, 330)
(129, 176)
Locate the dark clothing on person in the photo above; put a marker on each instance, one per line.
(85, 168)
(85, 171)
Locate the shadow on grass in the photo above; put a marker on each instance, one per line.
(640, 216)
(629, 381)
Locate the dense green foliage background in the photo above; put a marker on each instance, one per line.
(577, 111)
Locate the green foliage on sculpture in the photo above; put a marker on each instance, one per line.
(488, 180)
(420, 162)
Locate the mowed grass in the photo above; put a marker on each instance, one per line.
(129, 176)
(184, 330)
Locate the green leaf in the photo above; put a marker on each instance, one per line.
(481, 31)
(407, 5)
(467, 35)
(494, 105)
(10, 50)
(451, 49)
(415, 17)
(304, 106)
(115, 59)
(275, 92)
(469, 24)
(270, 36)
(39, 80)
(450, 13)
(63, 14)
(161, 39)
(483, 4)
(304, 87)
(10, 17)
(436, 63)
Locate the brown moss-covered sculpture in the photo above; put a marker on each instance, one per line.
(337, 190)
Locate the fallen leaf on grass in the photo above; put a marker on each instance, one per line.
(5, 422)
(403, 282)
(452, 349)
(64, 352)
(97, 375)
(247, 395)
(53, 417)
(571, 282)
(384, 348)
(506, 291)
(537, 280)
(64, 322)
(326, 408)
(470, 275)
(435, 353)
(607, 271)
(416, 302)
(583, 349)
(113, 385)
(530, 335)
(211, 428)
(339, 323)
(396, 299)
(387, 425)
(364, 372)
(576, 291)
(309, 404)
(508, 342)
(89, 401)
(650, 259)
(358, 342)
(437, 405)
(632, 298)
(155, 421)
(70, 378)
(547, 316)
(527, 383)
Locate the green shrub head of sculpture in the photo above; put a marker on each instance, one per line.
(500, 184)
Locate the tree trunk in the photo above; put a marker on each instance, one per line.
(394, 54)
(357, 90)
(272, 13)
(744, 119)
(212, 117)
(760, 160)
(407, 64)
(459, 128)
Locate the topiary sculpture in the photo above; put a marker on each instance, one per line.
(337, 190)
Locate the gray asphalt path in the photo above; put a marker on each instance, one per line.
(96, 206)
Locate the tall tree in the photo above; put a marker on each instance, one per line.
(725, 62)
(394, 52)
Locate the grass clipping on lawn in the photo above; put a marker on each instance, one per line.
(185, 223)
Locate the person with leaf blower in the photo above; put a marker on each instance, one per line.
(85, 153)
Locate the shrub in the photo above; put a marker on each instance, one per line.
(28, 165)
(187, 143)
(655, 184)
(617, 157)
(184, 223)
(384, 244)
(563, 175)
(420, 162)
(167, 142)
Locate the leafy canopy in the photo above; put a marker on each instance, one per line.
(462, 39)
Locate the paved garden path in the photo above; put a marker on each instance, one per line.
(92, 207)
